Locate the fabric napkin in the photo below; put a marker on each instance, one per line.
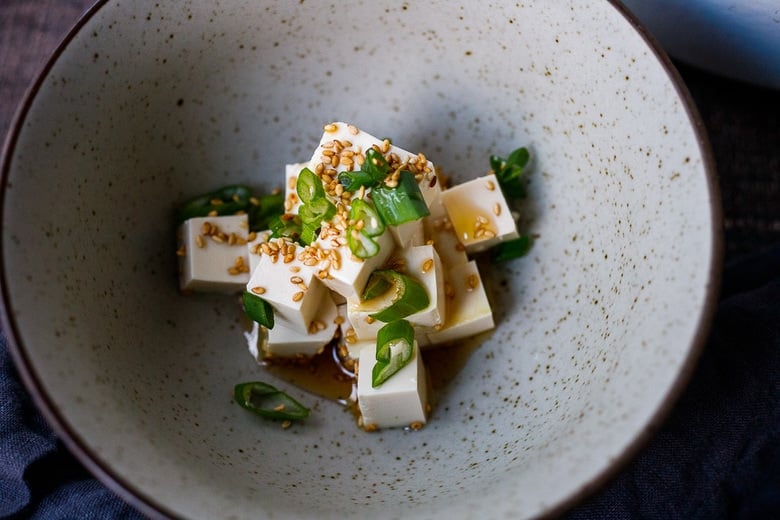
(716, 456)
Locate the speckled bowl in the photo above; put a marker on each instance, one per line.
(150, 102)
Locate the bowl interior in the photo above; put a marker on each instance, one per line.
(150, 103)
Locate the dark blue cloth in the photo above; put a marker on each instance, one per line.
(716, 456)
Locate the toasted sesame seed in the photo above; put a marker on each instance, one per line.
(353, 129)
(296, 279)
(200, 242)
(212, 213)
(472, 281)
(417, 425)
(205, 228)
(217, 238)
(233, 271)
(339, 320)
(489, 233)
(371, 427)
(496, 209)
(258, 290)
(297, 296)
(370, 320)
(330, 128)
(286, 424)
(490, 185)
(427, 265)
(280, 407)
(182, 251)
(438, 327)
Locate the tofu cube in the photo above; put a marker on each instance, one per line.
(292, 289)
(342, 143)
(468, 308)
(253, 249)
(291, 200)
(439, 231)
(285, 342)
(351, 276)
(423, 264)
(213, 255)
(479, 213)
(402, 400)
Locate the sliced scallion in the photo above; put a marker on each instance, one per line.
(371, 173)
(403, 203)
(408, 296)
(258, 310)
(394, 347)
(225, 201)
(309, 186)
(267, 401)
(361, 245)
(363, 211)
(266, 208)
(288, 226)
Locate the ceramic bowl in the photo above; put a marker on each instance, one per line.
(148, 103)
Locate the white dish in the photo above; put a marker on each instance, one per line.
(148, 103)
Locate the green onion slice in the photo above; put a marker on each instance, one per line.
(509, 172)
(394, 345)
(376, 287)
(287, 225)
(361, 245)
(372, 172)
(224, 201)
(309, 186)
(309, 233)
(364, 211)
(267, 401)
(267, 208)
(258, 310)
(404, 203)
(406, 296)
(512, 249)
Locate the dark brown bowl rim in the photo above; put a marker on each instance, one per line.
(152, 508)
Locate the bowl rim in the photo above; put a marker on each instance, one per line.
(152, 508)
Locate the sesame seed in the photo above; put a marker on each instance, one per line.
(472, 281)
(417, 425)
(258, 290)
(218, 239)
(280, 407)
(213, 213)
(297, 296)
(427, 265)
(339, 320)
(205, 228)
(370, 320)
(233, 271)
(286, 424)
(353, 129)
(296, 279)
(371, 427)
(497, 209)
(330, 128)
(182, 251)
(200, 242)
(490, 185)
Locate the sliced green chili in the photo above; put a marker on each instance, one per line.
(403, 203)
(363, 211)
(264, 209)
(509, 172)
(512, 249)
(258, 310)
(409, 296)
(361, 245)
(224, 201)
(309, 186)
(371, 173)
(288, 226)
(267, 401)
(394, 347)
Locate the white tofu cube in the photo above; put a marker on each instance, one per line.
(468, 308)
(424, 265)
(292, 289)
(291, 200)
(479, 213)
(213, 255)
(353, 142)
(350, 278)
(408, 234)
(439, 231)
(286, 342)
(402, 400)
(253, 249)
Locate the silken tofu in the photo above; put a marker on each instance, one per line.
(402, 400)
(349, 277)
(468, 308)
(292, 288)
(291, 200)
(342, 148)
(440, 233)
(253, 248)
(286, 342)
(479, 213)
(213, 254)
